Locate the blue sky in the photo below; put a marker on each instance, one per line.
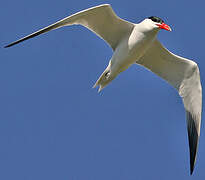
(53, 125)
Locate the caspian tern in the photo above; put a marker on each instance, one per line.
(138, 44)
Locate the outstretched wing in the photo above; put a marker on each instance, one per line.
(100, 19)
(184, 75)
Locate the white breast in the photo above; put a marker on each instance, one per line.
(132, 48)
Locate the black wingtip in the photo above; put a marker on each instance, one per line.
(6, 46)
(192, 164)
(193, 139)
(191, 170)
(9, 45)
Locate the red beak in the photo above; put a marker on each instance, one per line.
(164, 26)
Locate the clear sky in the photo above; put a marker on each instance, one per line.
(53, 125)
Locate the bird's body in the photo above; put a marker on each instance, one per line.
(128, 52)
(137, 43)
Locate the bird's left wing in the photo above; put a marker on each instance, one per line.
(183, 74)
(101, 19)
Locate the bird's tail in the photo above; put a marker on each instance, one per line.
(105, 78)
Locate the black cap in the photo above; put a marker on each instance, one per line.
(156, 19)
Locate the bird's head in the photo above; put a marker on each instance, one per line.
(157, 23)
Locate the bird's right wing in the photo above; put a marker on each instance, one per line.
(101, 19)
(184, 75)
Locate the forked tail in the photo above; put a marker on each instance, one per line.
(103, 80)
(106, 77)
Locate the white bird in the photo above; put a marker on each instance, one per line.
(138, 44)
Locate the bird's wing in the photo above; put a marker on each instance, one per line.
(102, 20)
(184, 75)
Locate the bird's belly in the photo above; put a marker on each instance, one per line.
(138, 44)
(129, 51)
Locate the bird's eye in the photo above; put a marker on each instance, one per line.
(155, 20)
